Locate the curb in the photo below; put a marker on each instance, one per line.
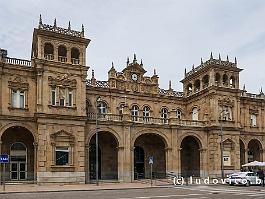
(80, 190)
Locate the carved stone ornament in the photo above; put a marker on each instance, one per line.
(253, 111)
(62, 136)
(18, 83)
(226, 102)
(63, 81)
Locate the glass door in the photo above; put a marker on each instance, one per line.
(22, 171)
(14, 171)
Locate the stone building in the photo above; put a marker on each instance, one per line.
(48, 116)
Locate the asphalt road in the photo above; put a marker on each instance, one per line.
(181, 192)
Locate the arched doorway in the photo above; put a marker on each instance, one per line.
(254, 150)
(190, 157)
(108, 156)
(145, 146)
(17, 142)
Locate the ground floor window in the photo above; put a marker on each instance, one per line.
(62, 156)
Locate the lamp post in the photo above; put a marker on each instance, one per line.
(97, 103)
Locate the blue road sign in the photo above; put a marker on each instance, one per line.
(4, 158)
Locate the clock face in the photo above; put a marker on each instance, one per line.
(134, 77)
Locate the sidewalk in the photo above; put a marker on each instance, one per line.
(29, 188)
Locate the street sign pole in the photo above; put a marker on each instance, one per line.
(151, 165)
(151, 162)
(4, 178)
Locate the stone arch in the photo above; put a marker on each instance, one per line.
(104, 129)
(190, 156)
(152, 144)
(254, 150)
(151, 131)
(243, 148)
(195, 136)
(18, 124)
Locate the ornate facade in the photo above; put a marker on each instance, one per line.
(48, 116)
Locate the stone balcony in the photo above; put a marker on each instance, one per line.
(145, 120)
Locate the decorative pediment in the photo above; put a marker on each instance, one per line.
(253, 110)
(63, 81)
(62, 136)
(18, 83)
(226, 102)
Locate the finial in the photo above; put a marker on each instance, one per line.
(235, 61)
(211, 56)
(83, 30)
(40, 20)
(112, 65)
(141, 63)
(261, 92)
(227, 58)
(193, 67)
(69, 25)
(154, 72)
(93, 74)
(169, 85)
(55, 24)
(134, 58)
(128, 61)
(219, 57)
(185, 72)
(244, 87)
(201, 61)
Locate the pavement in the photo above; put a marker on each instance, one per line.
(32, 188)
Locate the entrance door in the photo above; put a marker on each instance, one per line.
(139, 170)
(18, 161)
(18, 171)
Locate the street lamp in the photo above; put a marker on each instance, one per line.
(222, 144)
(98, 100)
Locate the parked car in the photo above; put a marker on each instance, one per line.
(243, 178)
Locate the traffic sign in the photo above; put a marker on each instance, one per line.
(4, 158)
(151, 160)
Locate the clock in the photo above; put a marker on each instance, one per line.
(134, 77)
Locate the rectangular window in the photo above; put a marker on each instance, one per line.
(70, 98)
(18, 99)
(62, 101)
(62, 156)
(227, 158)
(253, 120)
(53, 97)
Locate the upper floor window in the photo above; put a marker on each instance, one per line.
(135, 113)
(70, 98)
(62, 97)
(18, 99)
(146, 114)
(217, 79)
(75, 56)
(226, 113)
(62, 54)
(197, 86)
(195, 114)
(178, 114)
(253, 120)
(189, 89)
(205, 81)
(102, 108)
(232, 82)
(164, 115)
(53, 96)
(225, 80)
(48, 51)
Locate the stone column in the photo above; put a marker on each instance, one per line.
(87, 164)
(203, 163)
(262, 155)
(132, 163)
(35, 144)
(169, 159)
(246, 155)
(0, 164)
(179, 161)
(120, 163)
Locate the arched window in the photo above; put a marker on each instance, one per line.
(164, 115)
(232, 82)
(135, 112)
(205, 81)
(189, 89)
(217, 79)
(146, 114)
(48, 51)
(62, 54)
(197, 86)
(102, 108)
(88, 108)
(195, 114)
(178, 114)
(75, 56)
(225, 80)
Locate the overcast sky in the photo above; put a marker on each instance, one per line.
(168, 35)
